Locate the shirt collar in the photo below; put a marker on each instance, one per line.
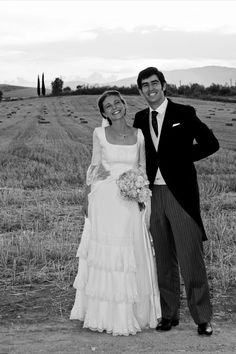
(162, 108)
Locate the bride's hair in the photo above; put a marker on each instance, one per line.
(102, 98)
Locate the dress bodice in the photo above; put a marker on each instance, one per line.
(118, 158)
(115, 158)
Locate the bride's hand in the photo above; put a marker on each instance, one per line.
(102, 173)
(85, 201)
(141, 206)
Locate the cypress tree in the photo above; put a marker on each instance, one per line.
(43, 86)
(38, 87)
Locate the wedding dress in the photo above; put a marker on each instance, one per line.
(116, 285)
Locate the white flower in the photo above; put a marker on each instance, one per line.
(133, 185)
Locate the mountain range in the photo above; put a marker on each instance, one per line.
(203, 75)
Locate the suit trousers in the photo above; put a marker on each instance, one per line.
(177, 241)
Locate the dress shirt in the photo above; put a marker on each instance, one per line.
(160, 118)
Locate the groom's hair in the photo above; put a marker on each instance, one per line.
(146, 73)
(102, 98)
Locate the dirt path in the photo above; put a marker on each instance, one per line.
(35, 320)
(68, 337)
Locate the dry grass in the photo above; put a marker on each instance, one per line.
(39, 234)
(42, 172)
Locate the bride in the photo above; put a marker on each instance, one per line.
(116, 285)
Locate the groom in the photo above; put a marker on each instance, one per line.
(174, 139)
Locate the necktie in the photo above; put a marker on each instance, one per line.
(154, 122)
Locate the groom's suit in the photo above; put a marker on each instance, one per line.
(178, 230)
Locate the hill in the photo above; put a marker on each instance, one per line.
(18, 91)
(7, 88)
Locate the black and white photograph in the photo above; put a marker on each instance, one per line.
(117, 176)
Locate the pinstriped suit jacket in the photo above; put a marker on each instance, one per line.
(177, 152)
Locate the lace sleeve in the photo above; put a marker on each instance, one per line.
(96, 159)
(142, 157)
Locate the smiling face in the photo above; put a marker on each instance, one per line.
(153, 91)
(114, 108)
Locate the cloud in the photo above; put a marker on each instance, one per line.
(154, 42)
(143, 42)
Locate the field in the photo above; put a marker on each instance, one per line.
(45, 149)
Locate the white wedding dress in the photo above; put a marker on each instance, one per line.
(116, 285)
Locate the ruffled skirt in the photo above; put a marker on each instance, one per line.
(116, 285)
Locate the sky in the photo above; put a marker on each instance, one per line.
(103, 41)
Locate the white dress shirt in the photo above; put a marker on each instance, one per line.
(160, 118)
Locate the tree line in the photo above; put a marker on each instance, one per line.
(192, 90)
(198, 91)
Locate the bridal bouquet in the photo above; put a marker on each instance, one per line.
(133, 185)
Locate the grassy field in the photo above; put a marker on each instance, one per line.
(45, 149)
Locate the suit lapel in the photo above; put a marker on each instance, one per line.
(167, 124)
